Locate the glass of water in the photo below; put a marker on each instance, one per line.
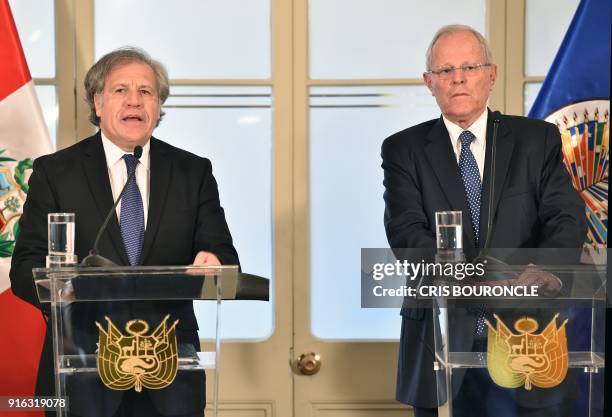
(449, 229)
(61, 239)
(449, 235)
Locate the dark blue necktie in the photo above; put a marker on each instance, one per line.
(132, 215)
(473, 188)
(471, 180)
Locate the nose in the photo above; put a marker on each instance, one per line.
(133, 99)
(458, 76)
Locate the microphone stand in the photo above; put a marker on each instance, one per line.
(484, 253)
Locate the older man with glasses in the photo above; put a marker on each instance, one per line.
(444, 164)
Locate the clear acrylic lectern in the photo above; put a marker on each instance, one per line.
(533, 350)
(104, 329)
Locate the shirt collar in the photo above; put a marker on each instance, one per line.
(478, 129)
(115, 154)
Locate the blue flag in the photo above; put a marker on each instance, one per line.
(576, 96)
(581, 68)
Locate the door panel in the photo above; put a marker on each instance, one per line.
(362, 83)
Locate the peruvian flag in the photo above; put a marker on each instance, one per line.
(23, 137)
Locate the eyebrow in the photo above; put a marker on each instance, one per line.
(457, 66)
(123, 84)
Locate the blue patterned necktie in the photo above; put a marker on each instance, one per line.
(473, 188)
(132, 215)
(471, 180)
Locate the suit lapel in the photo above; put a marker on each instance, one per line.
(503, 156)
(160, 172)
(96, 172)
(441, 156)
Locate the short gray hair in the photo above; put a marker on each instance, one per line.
(96, 76)
(448, 29)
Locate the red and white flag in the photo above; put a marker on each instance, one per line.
(23, 137)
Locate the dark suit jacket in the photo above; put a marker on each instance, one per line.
(184, 217)
(535, 207)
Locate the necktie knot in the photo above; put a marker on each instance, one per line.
(130, 162)
(466, 137)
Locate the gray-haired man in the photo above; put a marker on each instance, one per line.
(172, 216)
(442, 165)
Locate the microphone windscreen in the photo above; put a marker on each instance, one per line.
(137, 151)
(496, 116)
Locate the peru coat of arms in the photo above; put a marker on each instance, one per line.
(13, 191)
(527, 358)
(137, 360)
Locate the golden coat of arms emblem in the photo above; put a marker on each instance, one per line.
(137, 360)
(527, 358)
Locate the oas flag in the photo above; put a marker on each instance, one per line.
(576, 96)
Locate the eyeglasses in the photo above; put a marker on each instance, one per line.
(466, 69)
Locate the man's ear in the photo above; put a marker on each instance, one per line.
(98, 103)
(493, 75)
(427, 79)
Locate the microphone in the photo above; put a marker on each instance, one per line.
(490, 213)
(490, 209)
(93, 259)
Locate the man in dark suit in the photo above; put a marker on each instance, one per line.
(444, 164)
(169, 215)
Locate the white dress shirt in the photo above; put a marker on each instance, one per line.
(478, 145)
(118, 175)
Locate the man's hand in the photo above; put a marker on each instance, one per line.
(206, 258)
(547, 283)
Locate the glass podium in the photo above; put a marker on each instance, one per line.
(532, 350)
(132, 328)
